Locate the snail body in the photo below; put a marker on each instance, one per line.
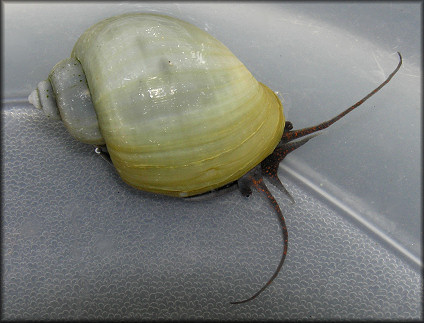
(179, 113)
(176, 111)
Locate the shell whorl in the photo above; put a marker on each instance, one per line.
(65, 96)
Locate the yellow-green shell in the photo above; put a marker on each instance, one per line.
(179, 113)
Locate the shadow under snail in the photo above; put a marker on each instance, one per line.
(174, 110)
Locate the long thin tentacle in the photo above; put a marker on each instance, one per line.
(261, 187)
(291, 135)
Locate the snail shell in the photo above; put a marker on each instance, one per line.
(179, 113)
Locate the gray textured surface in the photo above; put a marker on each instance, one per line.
(79, 243)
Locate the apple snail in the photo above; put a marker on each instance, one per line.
(174, 110)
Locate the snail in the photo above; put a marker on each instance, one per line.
(174, 111)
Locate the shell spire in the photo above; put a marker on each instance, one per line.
(43, 98)
(65, 96)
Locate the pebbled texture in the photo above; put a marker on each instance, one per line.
(78, 243)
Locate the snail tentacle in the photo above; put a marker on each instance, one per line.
(275, 180)
(291, 135)
(255, 178)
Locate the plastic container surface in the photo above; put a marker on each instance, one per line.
(79, 243)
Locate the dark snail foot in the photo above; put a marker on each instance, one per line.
(245, 182)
